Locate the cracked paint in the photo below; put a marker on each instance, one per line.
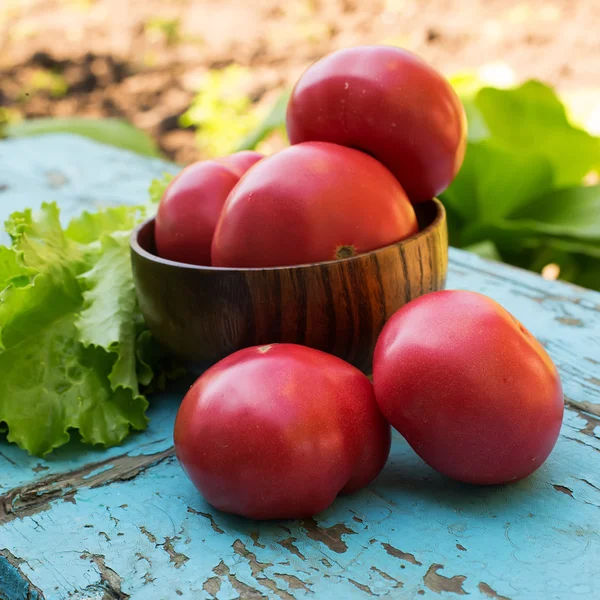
(438, 583)
(570, 321)
(130, 512)
(257, 568)
(293, 582)
(398, 583)
(255, 535)
(288, 544)
(362, 587)
(31, 499)
(208, 516)
(177, 558)
(563, 489)
(243, 589)
(109, 579)
(485, 589)
(12, 576)
(330, 536)
(406, 556)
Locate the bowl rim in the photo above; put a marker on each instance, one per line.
(137, 249)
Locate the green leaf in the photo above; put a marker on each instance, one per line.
(275, 120)
(466, 85)
(485, 249)
(26, 309)
(149, 355)
(575, 247)
(587, 275)
(110, 308)
(70, 329)
(158, 186)
(462, 194)
(114, 132)
(89, 227)
(512, 236)
(50, 385)
(532, 118)
(42, 240)
(153, 358)
(494, 182)
(222, 111)
(53, 264)
(573, 211)
(519, 192)
(12, 269)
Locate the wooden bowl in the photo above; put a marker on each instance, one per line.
(202, 314)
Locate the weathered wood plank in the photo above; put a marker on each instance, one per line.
(126, 522)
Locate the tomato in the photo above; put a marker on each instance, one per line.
(190, 207)
(309, 203)
(471, 390)
(242, 161)
(189, 210)
(277, 432)
(388, 102)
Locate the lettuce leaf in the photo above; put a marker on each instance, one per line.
(73, 346)
(158, 187)
(108, 317)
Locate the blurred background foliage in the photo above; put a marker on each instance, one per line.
(188, 80)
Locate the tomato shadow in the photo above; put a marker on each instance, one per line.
(406, 480)
(408, 495)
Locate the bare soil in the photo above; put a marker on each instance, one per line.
(144, 59)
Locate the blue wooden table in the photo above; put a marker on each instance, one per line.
(127, 523)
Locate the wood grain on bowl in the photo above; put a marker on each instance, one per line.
(202, 314)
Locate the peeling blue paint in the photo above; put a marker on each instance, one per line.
(13, 585)
(411, 534)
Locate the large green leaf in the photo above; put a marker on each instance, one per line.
(519, 195)
(591, 249)
(485, 249)
(572, 211)
(114, 132)
(466, 85)
(494, 182)
(532, 118)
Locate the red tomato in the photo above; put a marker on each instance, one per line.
(242, 161)
(471, 390)
(388, 102)
(189, 210)
(277, 432)
(310, 203)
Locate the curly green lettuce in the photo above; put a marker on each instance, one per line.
(158, 187)
(73, 347)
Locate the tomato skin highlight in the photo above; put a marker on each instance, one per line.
(389, 103)
(472, 391)
(241, 161)
(276, 432)
(310, 203)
